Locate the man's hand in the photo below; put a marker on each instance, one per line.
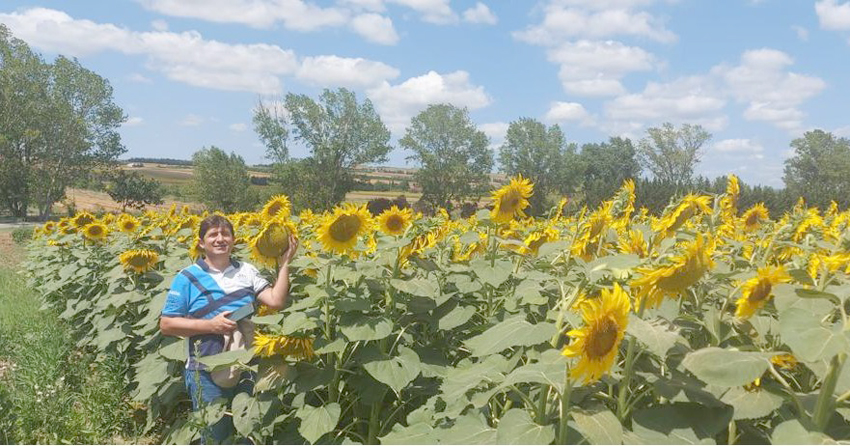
(290, 251)
(221, 324)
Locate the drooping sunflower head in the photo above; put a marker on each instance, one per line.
(82, 219)
(510, 200)
(306, 217)
(633, 242)
(683, 271)
(757, 291)
(272, 241)
(673, 218)
(298, 348)
(537, 238)
(786, 361)
(597, 342)
(755, 216)
(277, 206)
(139, 260)
(128, 224)
(340, 230)
(49, 227)
(623, 203)
(729, 202)
(95, 231)
(395, 221)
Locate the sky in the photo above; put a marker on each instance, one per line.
(189, 73)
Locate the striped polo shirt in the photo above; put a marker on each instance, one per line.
(200, 292)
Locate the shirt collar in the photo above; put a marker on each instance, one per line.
(204, 266)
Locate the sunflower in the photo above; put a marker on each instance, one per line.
(339, 231)
(596, 344)
(755, 216)
(95, 231)
(623, 204)
(139, 260)
(268, 345)
(128, 224)
(756, 291)
(195, 250)
(272, 241)
(685, 270)
(786, 361)
(395, 221)
(307, 217)
(511, 199)
(729, 202)
(689, 206)
(82, 219)
(49, 227)
(537, 238)
(277, 206)
(633, 242)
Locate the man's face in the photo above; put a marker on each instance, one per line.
(217, 241)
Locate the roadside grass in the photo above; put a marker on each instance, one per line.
(50, 390)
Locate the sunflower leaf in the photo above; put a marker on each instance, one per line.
(809, 339)
(494, 275)
(396, 372)
(416, 287)
(599, 426)
(357, 327)
(748, 405)
(512, 332)
(728, 368)
(657, 338)
(317, 421)
(516, 427)
(792, 432)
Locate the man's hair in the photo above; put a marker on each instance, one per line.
(214, 221)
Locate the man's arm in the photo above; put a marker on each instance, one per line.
(184, 326)
(275, 297)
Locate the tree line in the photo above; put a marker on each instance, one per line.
(59, 126)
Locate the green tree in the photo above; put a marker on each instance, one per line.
(537, 153)
(339, 131)
(272, 127)
(134, 190)
(605, 166)
(220, 180)
(58, 123)
(671, 154)
(819, 171)
(453, 155)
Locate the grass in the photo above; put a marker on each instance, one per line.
(50, 390)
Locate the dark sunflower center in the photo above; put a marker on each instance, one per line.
(275, 208)
(345, 228)
(395, 223)
(139, 260)
(752, 219)
(95, 231)
(761, 291)
(602, 338)
(510, 201)
(128, 225)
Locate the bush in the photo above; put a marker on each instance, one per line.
(22, 235)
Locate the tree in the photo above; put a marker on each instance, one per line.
(340, 133)
(605, 166)
(453, 155)
(133, 190)
(670, 154)
(221, 181)
(819, 171)
(537, 153)
(58, 123)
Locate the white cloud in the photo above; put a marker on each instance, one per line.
(833, 15)
(364, 5)
(295, 15)
(375, 28)
(843, 132)
(133, 121)
(398, 103)
(739, 148)
(139, 78)
(496, 131)
(594, 68)
(773, 94)
(191, 120)
(560, 112)
(159, 25)
(437, 12)
(480, 13)
(802, 33)
(238, 127)
(345, 72)
(562, 22)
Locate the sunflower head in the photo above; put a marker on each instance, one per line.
(272, 241)
(340, 230)
(139, 260)
(757, 291)
(676, 216)
(755, 216)
(682, 271)
(49, 227)
(597, 342)
(128, 223)
(298, 348)
(82, 219)
(395, 221)
(510, 200)
(786, 361)
(95, 231)
(277, 206)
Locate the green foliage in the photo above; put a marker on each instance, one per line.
(819, 170)
(537, 153)
(452, 154)
(59, 123)
(22, 236)
(134, 190)
(221, 181)
(671, 154)
(604, 167)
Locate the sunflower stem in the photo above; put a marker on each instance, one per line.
(542, 396)
(622, 406)
(733, 433)
(564, 409)
(374, 423)
(825, 405)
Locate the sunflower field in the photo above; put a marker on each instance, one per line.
(705, 324)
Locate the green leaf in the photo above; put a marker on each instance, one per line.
(680, 423)
(417, 287)
(516, 427)
(656, 335)
(515, 331)
(729, 368)
(786, 296)
(396, 372)
(419, 433)
(357, 327)
(227, 358)
(748, 405)
(466, 375)
(599, 426)
(317, 421)
(468, 429)
(246, 413)
(494, 275)
(792, 432)
(544, 372)
(808, 338)
(464, 283)
(529, 293)
(295, 322)
(458, 316)
(176, 351)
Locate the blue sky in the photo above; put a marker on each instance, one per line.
(188, 73)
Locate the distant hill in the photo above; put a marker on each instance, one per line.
(167, 161)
